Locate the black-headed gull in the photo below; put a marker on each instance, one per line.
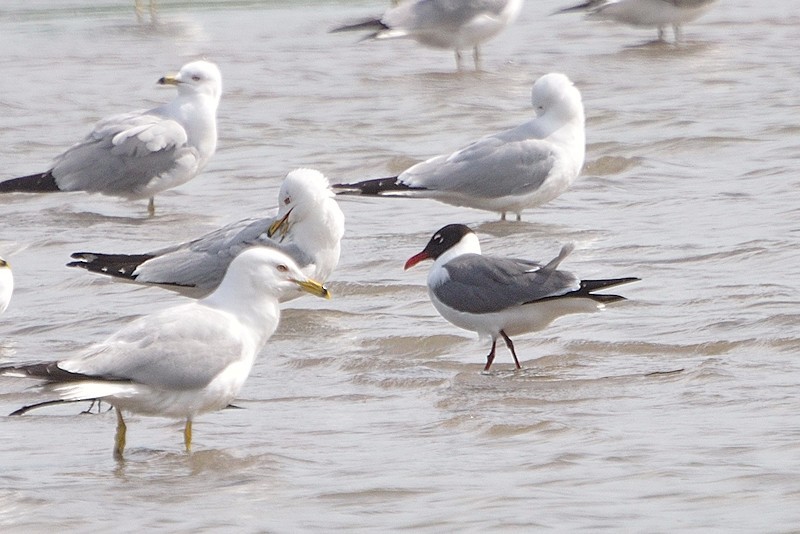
(503, 297)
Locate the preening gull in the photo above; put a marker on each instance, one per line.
(308, 227)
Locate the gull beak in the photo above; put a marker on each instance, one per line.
(281, 224)
(415, 259)
(313, 287)
(3, 263)
(169, 79)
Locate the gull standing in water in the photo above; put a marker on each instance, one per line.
(137, 155)
(308, 227)
(510, 171)
(182, 361)
(6, 284)
(645, 13)
(502, 297)
(448, 24)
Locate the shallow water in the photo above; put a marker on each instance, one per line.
(674, 410)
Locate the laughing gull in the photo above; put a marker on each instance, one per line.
(185, 360)
(6, 284)
(647, 13)
(137, 155)
(496, 296)
(509, 171)
(448, 24)
(308, 227)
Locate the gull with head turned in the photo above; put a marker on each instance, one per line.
(308, 227)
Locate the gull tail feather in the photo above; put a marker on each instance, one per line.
(566, 250)
(42, 182)
(379, 186)
(117, 265)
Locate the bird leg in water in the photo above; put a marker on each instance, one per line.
(151, 206)
(510, 346)
(490, 357)
(119, 438)
(187, 435)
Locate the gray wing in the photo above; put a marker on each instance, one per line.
(125, 153)
(481, 284)
(439, 14)
(202, 262)
(690, 3)
(492, 167)
(180, 348)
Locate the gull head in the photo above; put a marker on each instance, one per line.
(306, 196)
(262, 271)
(447, 243)
(555, 95)
(197, 77)
(6, 284)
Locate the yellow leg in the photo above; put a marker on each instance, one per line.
(151, 206)
(187, 435)
(119, 439)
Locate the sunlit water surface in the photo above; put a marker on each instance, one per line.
(675, 410)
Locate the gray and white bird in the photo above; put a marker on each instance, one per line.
(185, 360)
(140, 154)
(645, 13)
(6, 284)
(447, 24)
(510, 171)
(308, 227)
(503, 297)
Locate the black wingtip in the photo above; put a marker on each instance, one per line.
(368, 24)
(117, 265)
(589, 286)
(375, 187)
(29, 407)
(580, 7)
(43, 182)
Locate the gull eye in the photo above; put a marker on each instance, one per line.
(282, 268)
(287, 200)
(196, 77)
